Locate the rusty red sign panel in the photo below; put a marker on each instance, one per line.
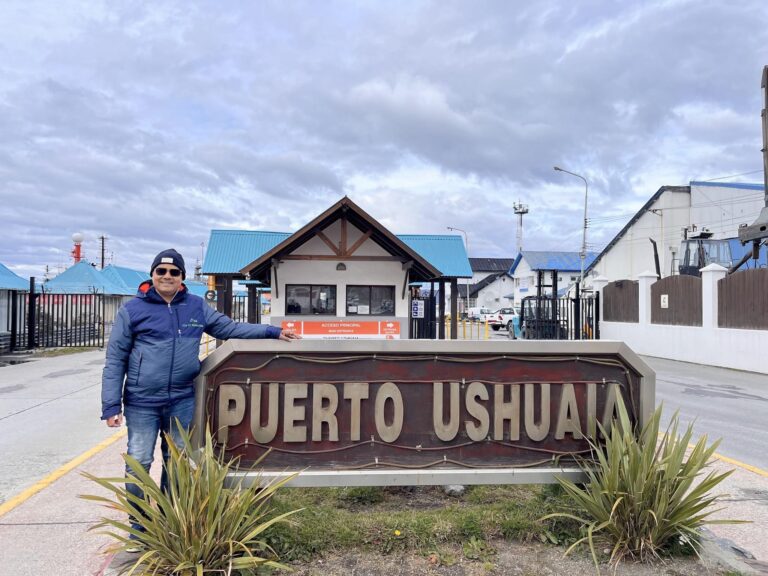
(416, 405)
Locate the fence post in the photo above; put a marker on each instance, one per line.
(14, 296)
(577, 313)
(598, 284)
(645, 280)
(31, 315)
(710, 275)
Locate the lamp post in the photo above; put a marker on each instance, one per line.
(466, 243)
(583, 253)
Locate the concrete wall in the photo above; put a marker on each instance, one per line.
(707, 344)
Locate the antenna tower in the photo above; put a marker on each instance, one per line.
(103, 241)
(521, 210)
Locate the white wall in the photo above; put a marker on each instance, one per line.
(724, 347)
(707, 344)
(633, 253)
(358, 272)
(722, 209)
(492, 296)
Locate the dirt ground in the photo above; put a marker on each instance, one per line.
(507, 558)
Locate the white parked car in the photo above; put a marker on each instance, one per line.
(478, 313)
(505, 318)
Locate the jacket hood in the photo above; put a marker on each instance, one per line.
(148, 292)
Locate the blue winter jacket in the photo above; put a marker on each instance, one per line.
(153, 352)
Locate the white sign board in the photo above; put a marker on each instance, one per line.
(665, 300)
(417, 309)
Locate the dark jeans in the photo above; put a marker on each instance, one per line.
(144, 426)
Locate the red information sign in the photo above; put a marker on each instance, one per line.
(345, 330)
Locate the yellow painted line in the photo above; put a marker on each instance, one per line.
(740, 464)
(6, 507)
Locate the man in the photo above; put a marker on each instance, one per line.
(152, 359)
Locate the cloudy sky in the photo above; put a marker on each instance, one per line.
(154, 122)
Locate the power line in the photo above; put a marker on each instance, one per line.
(732, 176)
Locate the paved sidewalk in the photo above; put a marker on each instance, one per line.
(48, 533)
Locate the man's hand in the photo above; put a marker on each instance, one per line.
(289, 335)
(115, 421)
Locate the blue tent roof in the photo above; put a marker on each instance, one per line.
(128, 278)
(11, 281)
(82, 278)
(231, 250)
(545, 260)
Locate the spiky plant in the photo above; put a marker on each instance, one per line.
(202, 524)
(642, 495)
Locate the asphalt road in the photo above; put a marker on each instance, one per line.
(728, 404)
(49, 414)
(50, 408)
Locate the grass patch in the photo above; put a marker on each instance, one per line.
(422, 520)
(53, 352)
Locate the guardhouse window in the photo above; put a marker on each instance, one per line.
(310, 299)
(370, 300)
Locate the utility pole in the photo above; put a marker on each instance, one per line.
(521, 210)
(103, 242)
(583, 253)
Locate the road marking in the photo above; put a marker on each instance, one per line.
(743, 465)
(55, 475)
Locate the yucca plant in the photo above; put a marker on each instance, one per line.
(641, 496)
(201, 525)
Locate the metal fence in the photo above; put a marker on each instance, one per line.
(565, 318)
(58, 320)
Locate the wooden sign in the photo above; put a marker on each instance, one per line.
(417, 405)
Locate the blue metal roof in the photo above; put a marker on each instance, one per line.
(82, 278)
(739, 185)
(544, 260)
(11, 281)
(229, 251)
(127, 278)
(444, 251)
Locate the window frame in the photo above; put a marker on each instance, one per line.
(370, 288)
(335, 310)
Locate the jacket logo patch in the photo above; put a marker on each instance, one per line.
(192, 323)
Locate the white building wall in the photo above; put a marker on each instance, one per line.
(358, 272)
(492, 296)
(721, 209)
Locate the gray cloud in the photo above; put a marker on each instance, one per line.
(155, 123)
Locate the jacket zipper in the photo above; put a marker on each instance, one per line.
(173, 349)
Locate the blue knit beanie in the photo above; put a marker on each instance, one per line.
(169, 256)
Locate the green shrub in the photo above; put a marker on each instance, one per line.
(641, 497)
(201, 525)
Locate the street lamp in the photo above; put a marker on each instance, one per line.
(466, 243)
(583, 253)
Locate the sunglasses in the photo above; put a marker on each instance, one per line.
(175, 272)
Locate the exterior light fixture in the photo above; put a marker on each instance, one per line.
(341, 266)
